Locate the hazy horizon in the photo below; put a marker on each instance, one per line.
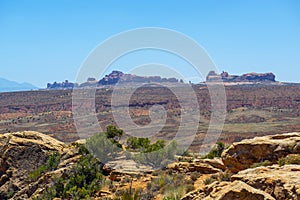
(47, 41)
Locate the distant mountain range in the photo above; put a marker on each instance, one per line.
(12, 86)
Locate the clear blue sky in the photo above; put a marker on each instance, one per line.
(44, 41)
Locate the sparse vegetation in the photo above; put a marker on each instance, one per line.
(290, 159)
(260, 164)
(222, 176)
(216, 152)
(143, 145)
(195, 175)
(114, 134)
(170, 186)
(105, 145)
(81, 182)
(51, 164)
(50, 111)
(157, 155)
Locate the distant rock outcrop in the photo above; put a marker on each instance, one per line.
(112, 79)
(249, 77)
(119, 77)
(64, 85)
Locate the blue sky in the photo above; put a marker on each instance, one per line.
(46, 41)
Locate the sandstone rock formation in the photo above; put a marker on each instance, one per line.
(112, 79)
(206, 166)
(23, 152)
(282, 183)
(228, 191)
(119, 77)
(250, 77)
(242, 155)
(63, 85)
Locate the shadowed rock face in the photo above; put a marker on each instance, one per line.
(250, 77)
(242, 155)
(23, 152)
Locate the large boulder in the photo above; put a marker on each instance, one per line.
(203, 167)
(283, 183)
(242, 155)
(22, 153)
(228, 191)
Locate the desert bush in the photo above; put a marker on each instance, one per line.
(195, 175)
(51, 164)
(128, 195)
(189, 188)
(290, 159)
(260, 164)
(170, 186)
(222, 176)
(105, 149)
(156, 155)
(209, 180)
(53, 161)
(81, 182)
(138, 143)
(216, 152)
(112, 132)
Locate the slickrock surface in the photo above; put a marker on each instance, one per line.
(283, 183)
(228, 191)
(242, 155)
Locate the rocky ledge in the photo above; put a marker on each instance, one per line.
(242, 155)
(260, 168)
(22, 153)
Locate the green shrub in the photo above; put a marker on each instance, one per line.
(53, 161)
(138, 143)
(112, 132)
(51, 164)
(143, 144)
(170, 186)
(260, 164)
(290, 159)
(131, 195)
(106, 145)
(222, 176)
(195, 175)
(209, 181)
(189, 188)
(81, 182)
(216, 152)
(156, 155)
(105, 149)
